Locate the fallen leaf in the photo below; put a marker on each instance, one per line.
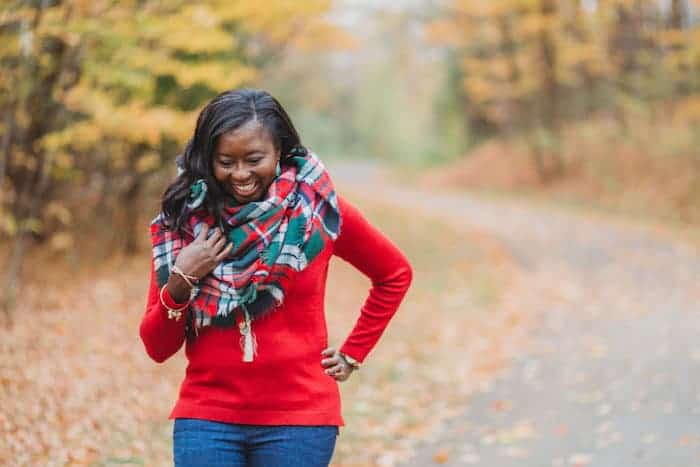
(579, 460)
(441, 457)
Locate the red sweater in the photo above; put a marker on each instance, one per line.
(285, 384)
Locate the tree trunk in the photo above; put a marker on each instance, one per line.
(550, 86)
(34, 186)
(682, 76)
(132, 204)
(678, 14)
(588, 79)
(508, 49)
(6, 149)
(14, 268)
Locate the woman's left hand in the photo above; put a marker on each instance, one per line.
(335, 365)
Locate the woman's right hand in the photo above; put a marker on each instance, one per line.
(198, 259)
(203, 254)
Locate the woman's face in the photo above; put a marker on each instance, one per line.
(245, 160)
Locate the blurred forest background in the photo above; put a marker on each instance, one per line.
(598, 99)
(592, 103)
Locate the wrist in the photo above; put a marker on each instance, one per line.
(352, 363)
(190, 279)
(175, 310)
(178, 289)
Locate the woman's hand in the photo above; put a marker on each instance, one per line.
(335, 365)
(198, 259)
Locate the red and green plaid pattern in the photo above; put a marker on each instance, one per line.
(273, 239)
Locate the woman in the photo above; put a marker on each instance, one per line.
(240, 257)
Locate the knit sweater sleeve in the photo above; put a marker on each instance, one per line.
(161, 335)
(372, 253)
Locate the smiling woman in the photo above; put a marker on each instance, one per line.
(245, 161)
(241, 250)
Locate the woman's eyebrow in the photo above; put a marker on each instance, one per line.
(223, 155)
(252, 151)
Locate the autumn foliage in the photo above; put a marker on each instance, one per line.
(530, 67)
(96, 99)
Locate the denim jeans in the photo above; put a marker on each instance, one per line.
(214, 444)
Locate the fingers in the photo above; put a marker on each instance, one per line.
(334, 365)
(224, 253)
(329, 362)
(214, 237)
(335, 369)
(339, 372)
(219, 244)
(203, 233)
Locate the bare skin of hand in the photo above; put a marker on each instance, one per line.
(335, 365)
(198, 259)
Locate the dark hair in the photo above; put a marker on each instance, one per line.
(227, 111)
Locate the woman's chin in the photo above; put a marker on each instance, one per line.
(257, 195)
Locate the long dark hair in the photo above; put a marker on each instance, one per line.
(227, 111)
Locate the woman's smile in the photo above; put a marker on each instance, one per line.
(245, 161)
(245, 190)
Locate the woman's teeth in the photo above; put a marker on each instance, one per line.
(246, 189)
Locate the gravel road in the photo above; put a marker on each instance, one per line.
(612, 376)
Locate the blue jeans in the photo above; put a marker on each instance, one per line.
(214, 444)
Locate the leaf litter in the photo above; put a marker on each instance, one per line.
(77, 388)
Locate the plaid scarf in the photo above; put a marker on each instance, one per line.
(273, 240)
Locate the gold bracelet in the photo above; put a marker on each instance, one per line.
(191, 280)
(173, 313)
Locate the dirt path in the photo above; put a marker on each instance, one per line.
(611, 377)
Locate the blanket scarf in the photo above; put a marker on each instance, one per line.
(273, 239)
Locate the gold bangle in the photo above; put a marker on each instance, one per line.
(173, 313)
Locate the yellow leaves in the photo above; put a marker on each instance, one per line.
(688, 109)
(8, 44)
(445, 32)
(32, 224)
(500, 68)
(24, 160)
(483, 9)
(215, 75)
(61, 241)
(536, 23)
(441, 456)
(148, 162)
(574, 57)
(218, 74)
(8, 224)
(319, 35)
(480, 90)
(58, 211)
(79, 136)
(279, 21)
(672, 37)
(193, 29)
(198, 41)
(134, 122)
(553, 44)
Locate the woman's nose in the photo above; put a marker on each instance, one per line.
(240, 173)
